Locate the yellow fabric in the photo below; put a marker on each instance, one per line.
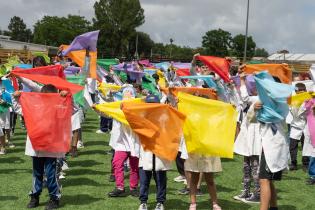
(105, 88)
(210, 125)
(298, 99)
(162, 81)
(113, 109)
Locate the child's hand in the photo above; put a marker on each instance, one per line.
(16, 94)
(63, 93)
(93, 106)
(258, 105)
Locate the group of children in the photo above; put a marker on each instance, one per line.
(266, 147)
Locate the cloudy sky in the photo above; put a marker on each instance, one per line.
(274, 24)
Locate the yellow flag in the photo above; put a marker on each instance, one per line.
(113, 109)
(298, 99)
(105, 88)
(210, 125)
(162, 81)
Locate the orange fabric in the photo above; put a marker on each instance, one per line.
(79, 58)
(53, 70)
(221, 66)
(211, 94)
(48, 120)
(158, 126)
(56, 81)
(282, 71)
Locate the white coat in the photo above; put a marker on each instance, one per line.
(146, 162)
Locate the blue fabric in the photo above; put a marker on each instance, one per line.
(206, 78)
(24, 66)
(164, 65)
(45, 165)
(311, 168)
(273, 96)
(160, 182)
(8, 86)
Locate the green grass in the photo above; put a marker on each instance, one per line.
(86, 185)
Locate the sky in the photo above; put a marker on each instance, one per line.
(274, 24)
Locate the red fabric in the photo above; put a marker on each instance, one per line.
(54, 70)
(48, 120)
(182, 72)
(15, 83)
(54, 80)
(221, 66)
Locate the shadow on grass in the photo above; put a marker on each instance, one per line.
(287, 207)
(90, 127)
(84, 163)
(78, 199)
(8, 198)
(221, 188)
(96, 143)
(15, 171)
(79, 172)
(92, 152)
(11, 160)
(80, 182)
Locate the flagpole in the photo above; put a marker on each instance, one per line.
(246, 34)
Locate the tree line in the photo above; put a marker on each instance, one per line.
(117, 21)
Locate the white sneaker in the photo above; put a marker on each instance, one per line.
(80, 144)
(143, 206)
(65, 166)
(2, 151)
(10, 144)
(180, 179)
(159, 206)
(99, 132)
(61, 176)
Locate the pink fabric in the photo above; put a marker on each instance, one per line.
(118, 164)
(311, 119)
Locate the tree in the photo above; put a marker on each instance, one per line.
(117, 20)
(217, 42)
(238, 46)
(54, 31)
(145, 44)
(18, 31)
(261, 52)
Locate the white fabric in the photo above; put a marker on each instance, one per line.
(298, 123)
(91, 84)
(146, 162)
(308, 149)
(183, 148)
(75, 121)
(5, 120)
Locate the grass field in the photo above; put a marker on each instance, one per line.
(86, 184)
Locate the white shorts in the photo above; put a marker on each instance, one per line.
(5, 120)
(75, 121)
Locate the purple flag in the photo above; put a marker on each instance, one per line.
(72, 70)
(250, 84)
(309, 105)
(145, 63)
(237, 80)
(182, 65)
(84, 41)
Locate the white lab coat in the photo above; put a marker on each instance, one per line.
(146, 162)
(308, 149)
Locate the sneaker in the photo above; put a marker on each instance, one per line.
(117, 193)
(293, 168)
(193, 206)
(134, 192)
(10, 144)
(143, 206)
(179, 179)
(159, 206)
(244, 194)
(184, 191)
(112, 178)
(65, 166)
(99, 132)
(52, 204)
(252, 199)
(62, 175)
(80, 144)
(216, 207)
(2, 151)
(199, 193)
(34, 202)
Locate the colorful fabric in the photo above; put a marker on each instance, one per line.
(210, 126)
(182, 65)
(104, 88)
(273, 96)
(113, 109)
(220, 66)
(42, 54)
(250, 84)
(106, 63)
(298, 99)
(159, 127)
(48, 121)
(191, 90)
(71, 70)
(86, 41)
(148, 83)
(282, 71)
(310, 108)
(7, 67)
(53, 70)
(183, 72)
(78, 97)
(54, 80)
(206, 78)
(145, 63)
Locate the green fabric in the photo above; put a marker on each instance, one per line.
(7, 67)
(255, 62)
(148, 83)
(105, 63)
(78, 97)
(4, 107)
(122, 75)
(45, 56)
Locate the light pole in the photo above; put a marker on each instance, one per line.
(136, 53)
(171, 41)
(246, 33)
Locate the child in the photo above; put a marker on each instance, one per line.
(296, 131)
(43, 162)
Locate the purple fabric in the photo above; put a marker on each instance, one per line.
(84, 41)
(250, 84)
(311, 119)
(182, 65)
(236, 80)
(72, 70)
(145, 63)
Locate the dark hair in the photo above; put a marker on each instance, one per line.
(39, 61)
(155, 76)
(300, 87)
(49, 89)
(109, 79)
(276, 79)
